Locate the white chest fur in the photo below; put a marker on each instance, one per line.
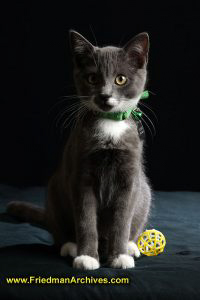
(110, 129)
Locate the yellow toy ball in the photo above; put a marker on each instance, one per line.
(151, 242)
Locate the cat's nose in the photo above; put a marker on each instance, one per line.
(104, 98)
(103, 102)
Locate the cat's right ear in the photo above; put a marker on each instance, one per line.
(80, 46)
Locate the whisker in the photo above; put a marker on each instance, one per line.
(77, 103)
(70, 116)
(147, 127)
(80, 116)
(73, 118)
(152, 135)
(93, 35)
(65, 98)
(94, 59)
(145, 105)
(67, 121)
(150, 122)
(69, 106)
(151, 92)
(74, 96)
(56, 104)
(60, 115)
(96, 46)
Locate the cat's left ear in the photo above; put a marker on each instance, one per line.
(80, 46)
(138, 48)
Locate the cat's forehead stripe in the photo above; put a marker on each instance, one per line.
(108, 58)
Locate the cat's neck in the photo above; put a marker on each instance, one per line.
(107, 129)
(111, 129)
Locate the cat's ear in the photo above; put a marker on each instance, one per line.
(137, 49)
(79, 45)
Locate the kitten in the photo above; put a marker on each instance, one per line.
(99, 197)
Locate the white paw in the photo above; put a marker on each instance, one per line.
(85, 262)
(133, 249)
(123, 261)
(69, 249)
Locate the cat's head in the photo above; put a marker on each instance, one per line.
(110, 78)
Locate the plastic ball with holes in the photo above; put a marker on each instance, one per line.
(151, 242)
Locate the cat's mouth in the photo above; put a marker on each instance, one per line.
(105, 107)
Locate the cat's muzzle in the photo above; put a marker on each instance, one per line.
(102, 101)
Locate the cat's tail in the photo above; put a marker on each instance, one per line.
(27, 212)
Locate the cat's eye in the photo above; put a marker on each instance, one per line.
(120, 80)
(92, 78)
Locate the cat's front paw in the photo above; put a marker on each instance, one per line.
(123, 261)
(85, 262)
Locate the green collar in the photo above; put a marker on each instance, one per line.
(120, 116)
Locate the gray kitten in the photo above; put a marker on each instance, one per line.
(99, 198)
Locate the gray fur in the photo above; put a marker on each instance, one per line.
(99, 197)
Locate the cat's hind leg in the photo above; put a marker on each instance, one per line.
(69, 248)
(133, 249)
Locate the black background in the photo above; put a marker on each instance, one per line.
(36, 70)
